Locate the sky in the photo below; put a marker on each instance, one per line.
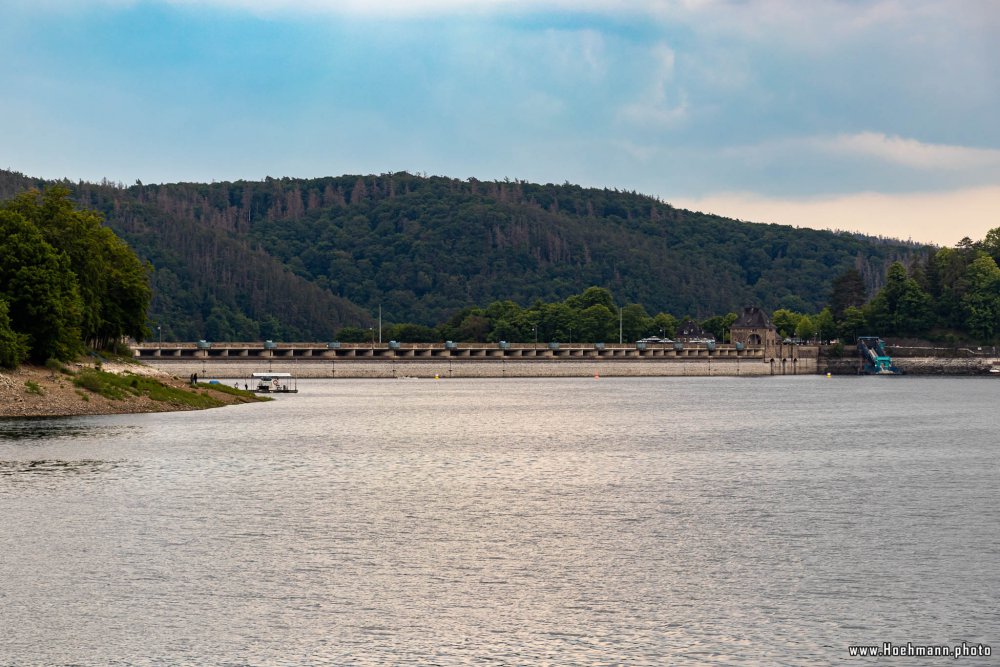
(881, 116)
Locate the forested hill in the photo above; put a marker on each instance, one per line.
(208, 282)
(290, 258)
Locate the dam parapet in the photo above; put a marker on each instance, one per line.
(236, 360)
(393, 350)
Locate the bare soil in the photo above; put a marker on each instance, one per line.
(36, 391)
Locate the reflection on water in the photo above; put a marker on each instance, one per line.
(52, 428)
(56, 467)
(645, 521)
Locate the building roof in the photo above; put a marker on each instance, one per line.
(753, 318)
(691, 329)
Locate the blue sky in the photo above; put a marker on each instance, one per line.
(877, 116)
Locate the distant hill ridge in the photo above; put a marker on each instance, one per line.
(299, 258)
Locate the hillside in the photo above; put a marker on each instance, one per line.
(287, 258)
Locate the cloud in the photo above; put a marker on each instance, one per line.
(661, 104)
(910, 152)
(410, 8)
(942, 218)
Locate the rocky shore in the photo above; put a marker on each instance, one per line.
(35, 391)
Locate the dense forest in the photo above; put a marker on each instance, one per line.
(951, 296)
(301, 259)
(66, 281)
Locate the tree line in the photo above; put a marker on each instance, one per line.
(951, 295)
(300, 258)
(66, 281)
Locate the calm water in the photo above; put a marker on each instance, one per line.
(574, 521)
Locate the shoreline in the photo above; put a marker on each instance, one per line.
(36, 391)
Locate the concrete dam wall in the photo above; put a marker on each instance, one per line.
(235, 361)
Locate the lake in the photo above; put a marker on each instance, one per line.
(638, 521)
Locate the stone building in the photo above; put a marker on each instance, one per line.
(753, 328)
(690, 331)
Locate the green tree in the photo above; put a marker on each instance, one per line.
(412, 333)
(848, 289)
(785, 321)
(947, 273)
(718, 325)
(991, 244)
(664, 325)
(805, 329)
(900, 308)
(592, 296)
(981, 301)
(852, 325)
(826, 326)
(475, 328)
(557, 322)
(13, 345)
(112, 283)
(597, 324)
(635, 322)
(40, 288)
(354, 335)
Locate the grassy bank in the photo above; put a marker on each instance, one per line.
(78, 389)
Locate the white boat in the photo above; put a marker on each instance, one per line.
(274, 383)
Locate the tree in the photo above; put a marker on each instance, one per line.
(40, 290)
(991, 244)
(981, 301)
(719, 325)
(848, 289)
(592, 296)
(412, 333)
(635, 323)
(852, 325)
(805, 329)
(826, 326)
(474, 328)
(13, 345)
(947, 271)
(785, 321)
(112, 283)
(557, 322)
(597, 324)
(665, 325)
(900, 308)
(354, 335)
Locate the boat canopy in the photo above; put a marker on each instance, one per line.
(268, 376)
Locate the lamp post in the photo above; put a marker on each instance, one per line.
(159, 331)
(372, 329)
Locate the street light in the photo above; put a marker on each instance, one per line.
(159, 331)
